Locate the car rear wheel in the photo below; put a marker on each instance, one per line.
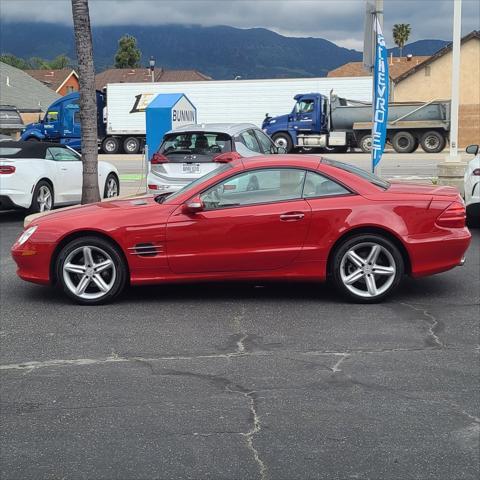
(367, 268)
(42, 199)
(91, 270)
(283, 140)
(112, 187)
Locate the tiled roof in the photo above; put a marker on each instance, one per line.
(52, 78)
(134, 75)
(397, 66)
(19, 89)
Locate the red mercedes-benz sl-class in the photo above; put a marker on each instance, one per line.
(284, 218)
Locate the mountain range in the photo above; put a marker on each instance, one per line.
(221, 52)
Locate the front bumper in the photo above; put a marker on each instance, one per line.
(33, 261)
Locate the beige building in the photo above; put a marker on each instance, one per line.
(431, 80)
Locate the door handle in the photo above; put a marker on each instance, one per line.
(291, 216)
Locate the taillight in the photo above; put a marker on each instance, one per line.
(6, 169)
(158, 158)
(452, 217)
(152, 187)
(227, 157)
(476, 171)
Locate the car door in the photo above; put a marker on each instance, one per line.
(266, 143)
(305, 115)
(253, 221)
(69, 171)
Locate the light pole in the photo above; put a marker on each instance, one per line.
(152, 68)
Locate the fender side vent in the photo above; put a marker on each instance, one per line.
(146, 249)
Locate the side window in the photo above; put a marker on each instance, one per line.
(249, 140)
(61, 154)
(266, 144)
(52, 115)
(257, 186)
(317, 185)
(305, 106)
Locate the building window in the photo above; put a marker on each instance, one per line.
(427, 71)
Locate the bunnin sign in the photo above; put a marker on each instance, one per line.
(380, 97)
(183, 113)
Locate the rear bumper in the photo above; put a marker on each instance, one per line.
(11, 199)
(443, 252)
(158, 184)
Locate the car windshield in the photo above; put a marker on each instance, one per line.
(197, 146)
(171, 198)
(370, 177)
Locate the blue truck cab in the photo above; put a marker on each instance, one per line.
(310, 116)
(61, 122)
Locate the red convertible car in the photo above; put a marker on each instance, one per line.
(284, 218)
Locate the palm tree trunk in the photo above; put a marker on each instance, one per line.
(401, 51)
(88, 100)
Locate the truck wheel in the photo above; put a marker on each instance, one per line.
(432, 142)
(131, 145)
(33, 139)
(404, 142)
(111, 145)
(365, 143)
(283, 140)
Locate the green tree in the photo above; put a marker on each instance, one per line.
(128, 54)
(88, 100)
(401, 34)
(14, 61)
(59, 62)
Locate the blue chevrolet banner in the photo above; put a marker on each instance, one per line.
(380, 97)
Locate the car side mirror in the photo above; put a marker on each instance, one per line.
(194, 205)
(281, 150)
(472, 149)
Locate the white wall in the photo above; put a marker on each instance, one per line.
(234, 101)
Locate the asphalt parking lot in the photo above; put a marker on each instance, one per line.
(240, 381)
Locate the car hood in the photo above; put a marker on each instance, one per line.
(93, 211)
(281, 119)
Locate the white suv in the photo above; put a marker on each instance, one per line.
(190, 152)
(472, 186)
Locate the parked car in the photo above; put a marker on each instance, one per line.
(472, 186)
(189, 152)
(283, 218)
(40, 176)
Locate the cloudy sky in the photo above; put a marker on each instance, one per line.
(340, 21)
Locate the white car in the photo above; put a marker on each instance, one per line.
(40, 176)
(472, 186)
(189, 152)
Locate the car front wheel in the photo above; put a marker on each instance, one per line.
(91, 270)
(367, 268)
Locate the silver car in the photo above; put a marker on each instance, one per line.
(192, 151)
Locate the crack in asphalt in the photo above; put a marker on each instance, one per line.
(434, 326)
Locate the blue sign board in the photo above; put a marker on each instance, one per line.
(380, 97)
(165, 112)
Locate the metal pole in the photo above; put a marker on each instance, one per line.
(457, 29)
(379, 11)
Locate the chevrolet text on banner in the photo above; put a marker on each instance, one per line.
(380, 97)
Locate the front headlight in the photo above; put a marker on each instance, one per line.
(26, 235)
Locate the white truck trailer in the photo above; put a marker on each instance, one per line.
(216, 101)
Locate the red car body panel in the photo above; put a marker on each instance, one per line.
(289, 239)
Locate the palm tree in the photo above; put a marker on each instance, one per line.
(88, 100)
(401, 33)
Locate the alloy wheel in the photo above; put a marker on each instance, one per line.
(112, 187)
(368, 269)
(44, 199)
(89, 272)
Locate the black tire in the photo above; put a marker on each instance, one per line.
(109, 191)
(358, 241)
(283, 139)
(33, 139)
(118, 280)
(111, 145)
(36, 205)
(131, 145)
(339, 149)
(365, 143)
(433, 142)
(404, 142)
